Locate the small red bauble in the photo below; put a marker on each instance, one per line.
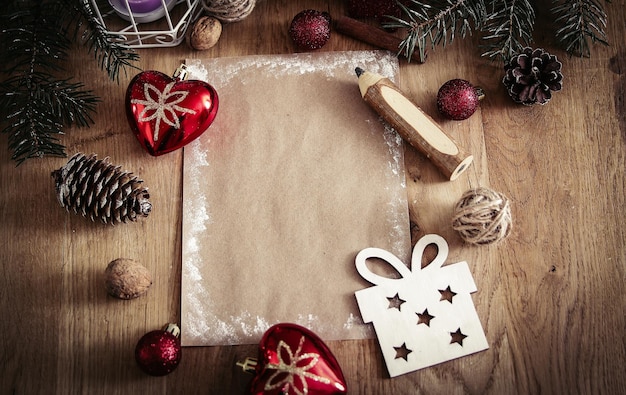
(310, 29)
(158, 352)
(167, 113)
(293, 361)
(458, 99)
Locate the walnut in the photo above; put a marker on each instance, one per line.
(126, 279)
(204, 33)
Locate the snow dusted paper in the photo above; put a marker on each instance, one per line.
(295, 176)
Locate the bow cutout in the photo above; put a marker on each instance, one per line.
(416, 259)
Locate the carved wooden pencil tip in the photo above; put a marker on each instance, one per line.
(359, 71)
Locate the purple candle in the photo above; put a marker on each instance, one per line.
(142, 10)
(142, 6)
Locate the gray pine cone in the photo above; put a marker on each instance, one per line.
(97, 189)
(532, 75)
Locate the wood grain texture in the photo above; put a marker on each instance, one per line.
(551, 297)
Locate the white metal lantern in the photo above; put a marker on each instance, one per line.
(146, 23)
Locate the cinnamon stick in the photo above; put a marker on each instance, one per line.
(370, 34)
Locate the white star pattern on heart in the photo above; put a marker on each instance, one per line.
(162, 106)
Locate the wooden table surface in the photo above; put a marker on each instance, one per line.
(551, 297)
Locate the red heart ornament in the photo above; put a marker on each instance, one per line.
(167, 113)
(294, 360)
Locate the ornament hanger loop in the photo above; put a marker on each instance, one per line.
(248, 365)
(181, 72)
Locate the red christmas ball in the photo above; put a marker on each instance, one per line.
(310, 29)
(458, 99)
(158, 352)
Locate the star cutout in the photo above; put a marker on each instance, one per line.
(402, 352)
(424, 318)
(457, 337)
(395, 302)
(447, 294)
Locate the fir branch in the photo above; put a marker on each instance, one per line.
(34, 104)
(67, 101)
(110, 55)
(435, 23)
(30, 38)
(31, 127)
(36, 107)
(509, 25)
(582, 21)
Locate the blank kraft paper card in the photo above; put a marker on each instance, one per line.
(295, 176)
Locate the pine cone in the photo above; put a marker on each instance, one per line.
(532, 75)
(99, 190)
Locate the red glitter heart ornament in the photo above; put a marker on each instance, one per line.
(166, 113)
(295, 361)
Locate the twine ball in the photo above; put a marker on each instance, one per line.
(229, 10)
(482, 216)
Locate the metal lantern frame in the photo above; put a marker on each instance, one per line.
(168, 31)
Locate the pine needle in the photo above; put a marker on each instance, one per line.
(435, 23)
(35, 104)
(110, 55)
(580, 21)
(508, 28)
(507, 25)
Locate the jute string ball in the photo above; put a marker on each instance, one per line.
(482, 216)
(229, 10)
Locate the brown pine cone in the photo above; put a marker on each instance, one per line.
(532, 75)
(99, 190)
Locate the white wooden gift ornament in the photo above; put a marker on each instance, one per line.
(425, 317)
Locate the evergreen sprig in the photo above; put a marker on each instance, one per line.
(35, 103)
(581, 21)
(36, 115)
(507, 25)
(435, 23)
(110, 55)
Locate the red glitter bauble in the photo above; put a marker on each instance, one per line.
(458, 99)
(158, 352)
(310, 29)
